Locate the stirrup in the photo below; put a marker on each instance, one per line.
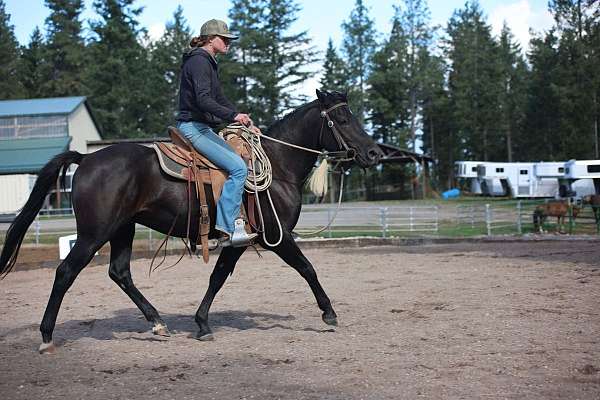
(239, 238)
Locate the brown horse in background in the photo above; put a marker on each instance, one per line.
(594, 201)
(558, 209)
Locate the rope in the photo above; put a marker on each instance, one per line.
(260, 177)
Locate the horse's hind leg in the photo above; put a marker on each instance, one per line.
(119, 271)
(223, 268)
(79, 256)
(291, 254)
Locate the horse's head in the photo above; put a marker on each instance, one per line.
(341, 131)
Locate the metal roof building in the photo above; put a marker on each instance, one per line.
(32, 131)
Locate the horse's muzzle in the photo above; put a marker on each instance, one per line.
(374, 154)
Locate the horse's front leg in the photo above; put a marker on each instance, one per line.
(291, 254)
(223, 268)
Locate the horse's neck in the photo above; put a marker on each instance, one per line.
(301, 130)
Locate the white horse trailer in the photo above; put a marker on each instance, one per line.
(493, 178)
(467, 170)
(582, 177)
(521, 179)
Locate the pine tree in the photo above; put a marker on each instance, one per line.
(359, 45)
(475, 84)
(334, 75)
(541, 137)
(241, 64)
(513, 93)
(166, 61)
(388, 89)
(274, 62)
(120, 81)
(415, 20)
(577, 75)
(438, 130)
(33, 67)
(65, 49)
(10, 87)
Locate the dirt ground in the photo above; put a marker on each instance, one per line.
(458, 321)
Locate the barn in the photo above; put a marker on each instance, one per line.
(32, 131)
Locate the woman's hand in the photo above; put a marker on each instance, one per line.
(243, 119)
(254, 129)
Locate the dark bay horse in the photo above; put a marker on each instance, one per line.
(117, 187)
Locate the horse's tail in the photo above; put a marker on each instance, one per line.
(17, 230)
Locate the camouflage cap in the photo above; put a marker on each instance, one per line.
(216, 27)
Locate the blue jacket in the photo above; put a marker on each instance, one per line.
(200, 95)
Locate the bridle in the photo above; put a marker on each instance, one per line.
(345, 153)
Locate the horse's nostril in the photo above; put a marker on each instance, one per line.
(374, 154)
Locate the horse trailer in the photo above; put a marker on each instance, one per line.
(581, 178)
(467, 171)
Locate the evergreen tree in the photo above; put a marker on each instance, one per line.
(388, 89)
(415, 19)
(541, 137)
(577, 75)
(334, 71)
(475, 84)
(241, 64)
(10, 87)
(33, 67)
(119, 82)
(65, 49)
(273, 61)
(513, 93)
(166, 61)
(438, 137)
(359, 45)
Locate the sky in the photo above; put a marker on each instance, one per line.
(321, 19)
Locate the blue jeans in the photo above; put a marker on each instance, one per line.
(206, 141)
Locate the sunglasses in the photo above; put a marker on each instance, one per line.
(225, 40)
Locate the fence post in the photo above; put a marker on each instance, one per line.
(519, 222)
(383, 221)
(437, 219)
(149, 239)
(488, 219)
(410, 219)
(570, 219)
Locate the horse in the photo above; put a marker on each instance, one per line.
(121, 185)
(559, 209)
(594, 201)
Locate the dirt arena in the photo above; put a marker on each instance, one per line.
(459, 321)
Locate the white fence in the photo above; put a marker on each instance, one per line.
(379, 221)
(445, 219)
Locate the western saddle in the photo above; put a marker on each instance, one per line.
(180, 160)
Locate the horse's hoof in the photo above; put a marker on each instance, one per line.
(204, 337)
(47, 348)
(161, 330)
(330, 319)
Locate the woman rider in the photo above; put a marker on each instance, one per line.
(202, 107)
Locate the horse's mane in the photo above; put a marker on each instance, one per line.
(280, 125)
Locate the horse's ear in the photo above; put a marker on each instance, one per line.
(320, 96)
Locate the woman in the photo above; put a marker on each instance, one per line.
(202, 106)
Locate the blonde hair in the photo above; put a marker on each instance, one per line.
(199, 41)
